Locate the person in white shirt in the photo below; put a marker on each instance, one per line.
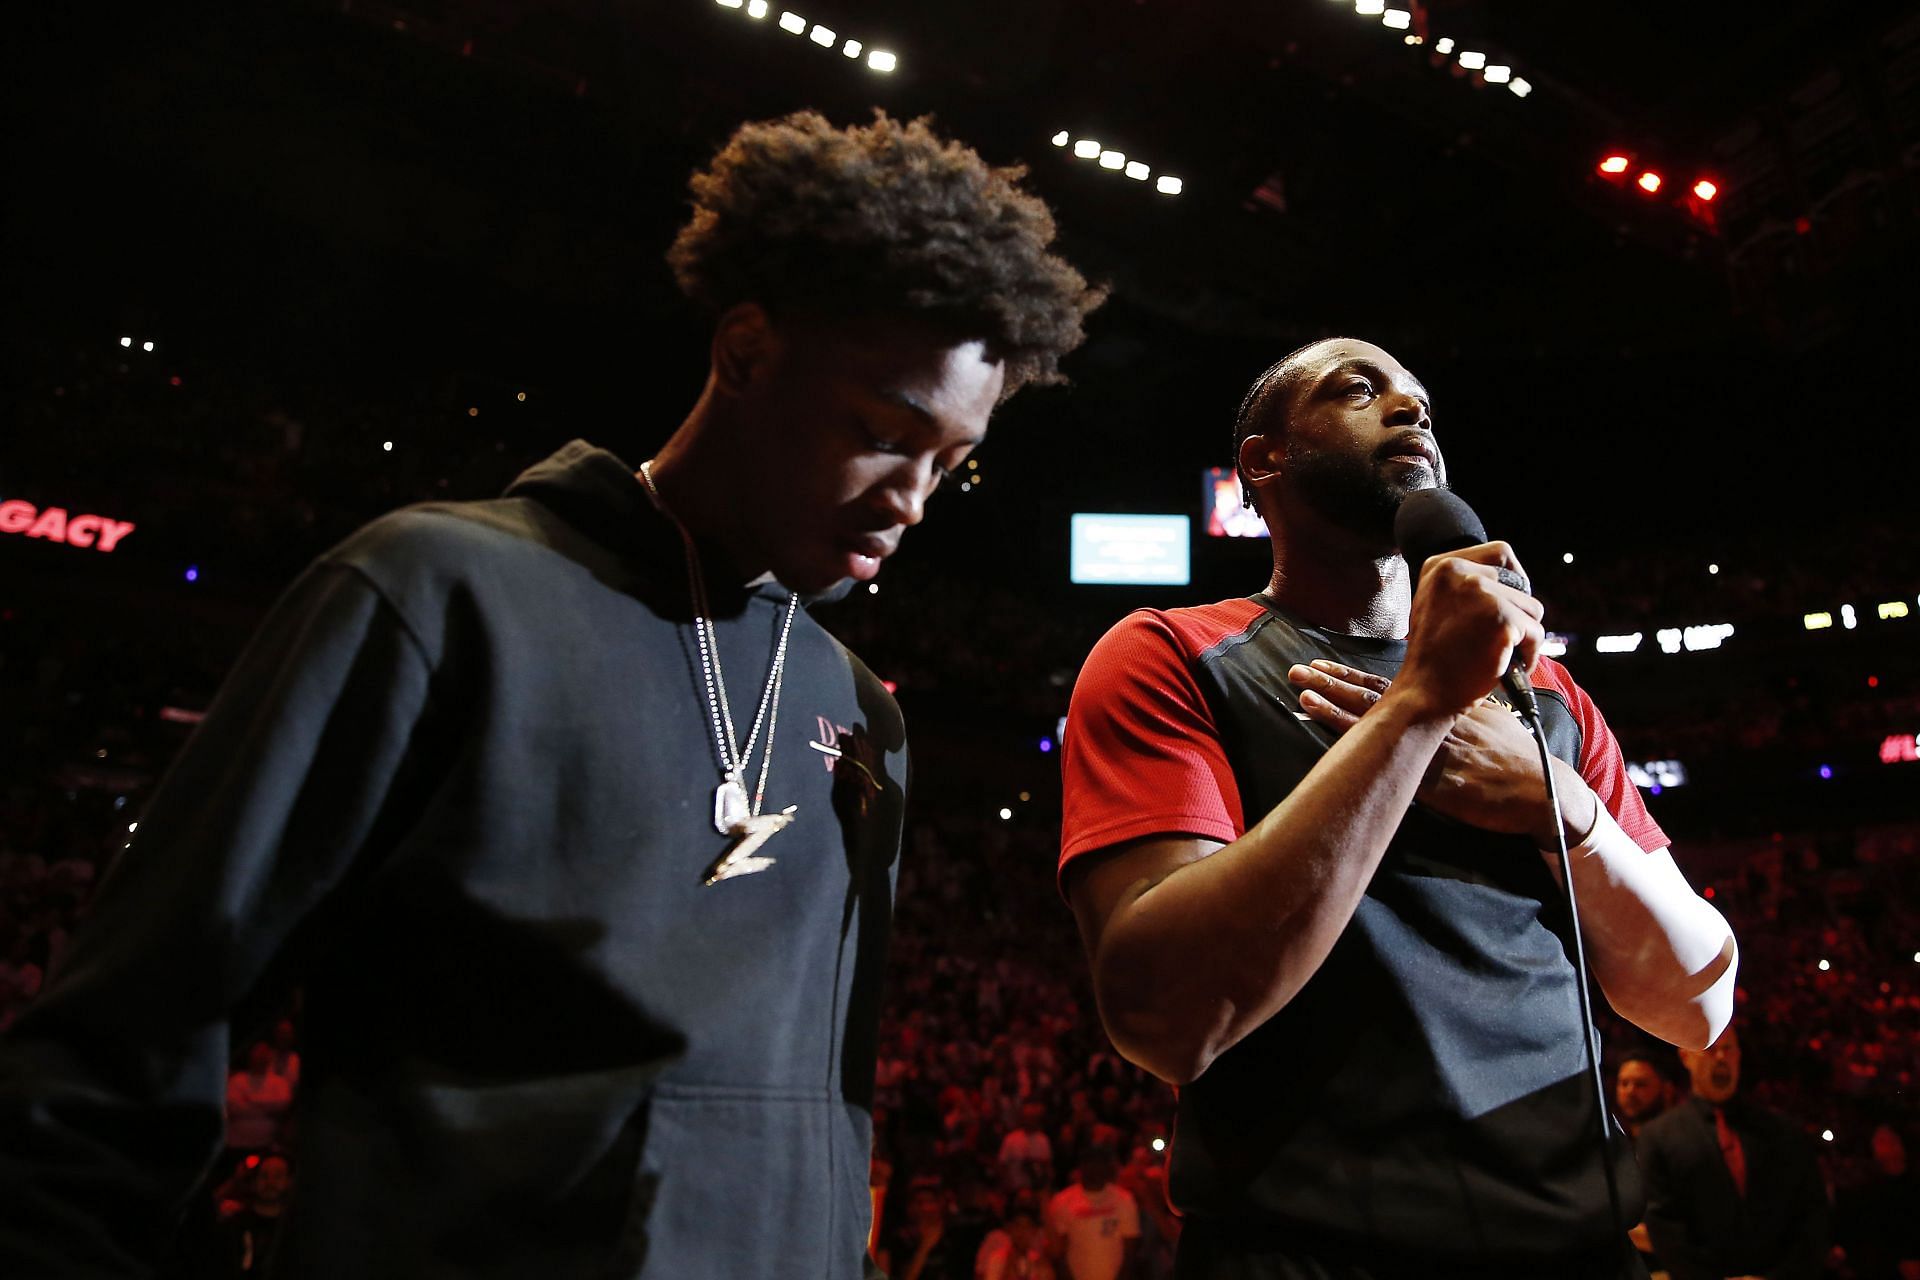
(1095, 1223)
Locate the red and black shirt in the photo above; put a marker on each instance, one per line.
(1426, 1093)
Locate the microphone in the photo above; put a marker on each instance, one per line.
(1432, 522)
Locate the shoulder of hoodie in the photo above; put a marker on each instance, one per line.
(419, 556)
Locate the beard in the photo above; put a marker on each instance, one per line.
(1359, 495)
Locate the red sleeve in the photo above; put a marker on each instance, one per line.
(1141, 755)
(1601, 763)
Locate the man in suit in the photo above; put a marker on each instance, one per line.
(1732, 1188)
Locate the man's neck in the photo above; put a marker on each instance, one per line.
(1335, 579)
(699, 485)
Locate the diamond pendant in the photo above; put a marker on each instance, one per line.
(729, 805)
(742, 856)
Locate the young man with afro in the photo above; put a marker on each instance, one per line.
(534, 796)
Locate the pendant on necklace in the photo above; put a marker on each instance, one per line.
(730, 807)
(751, 832)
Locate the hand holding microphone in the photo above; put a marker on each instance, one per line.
(1474, 621)
(1473, 626)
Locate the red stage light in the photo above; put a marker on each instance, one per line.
(1614, 164)
(1706, 189)
(1649, 182)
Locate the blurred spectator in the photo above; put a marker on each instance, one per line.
(1640, 1092)
(926, 1248)
(257, 1099)
(1878, 1224)
(20, 980)
(1018, 1250)
(1094, 1223)
(1026, 1155)
(1144, 1177)
(286, 1060)
(1732, 1188)
(250, 1209)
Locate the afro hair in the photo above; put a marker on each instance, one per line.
(886, 219)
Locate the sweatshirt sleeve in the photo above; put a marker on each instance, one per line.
(112, 1084)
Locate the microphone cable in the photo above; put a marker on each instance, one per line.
(1587, 1032)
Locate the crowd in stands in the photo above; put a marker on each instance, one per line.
(1010, 1139)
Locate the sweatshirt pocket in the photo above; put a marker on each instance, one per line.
(747, 1184)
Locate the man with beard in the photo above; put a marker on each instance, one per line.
(1303, 841)
(1640, 1092)
(1733, 1189)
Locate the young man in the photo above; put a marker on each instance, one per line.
(1304, 848)
(528, 793)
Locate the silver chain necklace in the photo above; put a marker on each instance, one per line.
(733, 814)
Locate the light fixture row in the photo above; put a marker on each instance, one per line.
(826, 37)
(1469, 59)
(1087, 149)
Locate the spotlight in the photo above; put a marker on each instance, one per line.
(731, 4)
(852, 48)
(1168, 186)
(880, 60)
(1472, 60)
(1159, 1144)
(146, 346)
(1113, 160)
(756, 8)
(386, 446)
(1369, 8)
(126, 342)
(1615, 163)
(1443, 45)
(790, 21)
(1086, 148)
(825, 37)
(1137, 171)
(1705, 189)
(1649, 182)
(1005, 814)
(1566, 557)
(1498, 74)
(1520, 87)
(1397, 19)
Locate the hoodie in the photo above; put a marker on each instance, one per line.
(459, 786)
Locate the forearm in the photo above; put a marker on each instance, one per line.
(1197, 960)
(1663, 955)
